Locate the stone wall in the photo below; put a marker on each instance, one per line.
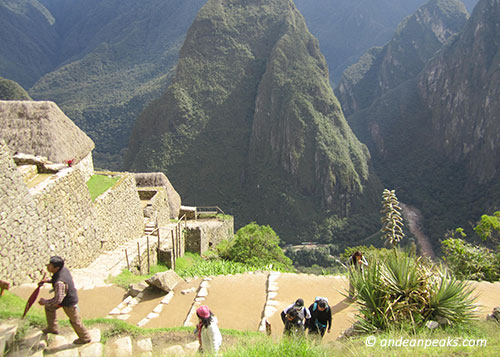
(21, 229)
(161, 207)
(57, 217)
(155, 204)
(86, 166)
(63, 203)
(201, 235)
(119, 212)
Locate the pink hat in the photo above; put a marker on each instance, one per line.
(203, 311)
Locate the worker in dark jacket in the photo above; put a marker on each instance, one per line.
(65, 296)
(321, 318)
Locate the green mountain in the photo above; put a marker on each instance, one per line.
(251, 123)
(115, 56)
(28, 41)
(434, 138)
(417, 39)
(102, 61)
(10, 90)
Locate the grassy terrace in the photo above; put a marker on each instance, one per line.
(98, 184)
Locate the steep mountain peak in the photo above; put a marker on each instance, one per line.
(250, 121)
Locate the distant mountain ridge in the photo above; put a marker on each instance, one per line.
(116, 56)
(251, 122)
(434, 138)
(416, 40)
(102, 61)
(346, 28)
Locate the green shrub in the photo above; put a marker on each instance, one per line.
(468, 261)
(309, 256)
(369, 252)
(488, 227)
(224, 249)
(405, 291)
(258, 246)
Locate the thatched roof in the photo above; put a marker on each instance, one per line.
(41, 128)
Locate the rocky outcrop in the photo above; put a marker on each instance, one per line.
(165, 281)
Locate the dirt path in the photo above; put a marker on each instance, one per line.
(488, 296)
(238, 300)
(174, 313)
(413, 217)
(307, 287)
(93, 303)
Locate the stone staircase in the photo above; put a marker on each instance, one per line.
(37, 344)
(149, 228)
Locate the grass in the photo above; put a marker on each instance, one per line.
(193, 265)
(125, 278)
(390, 343)
(98, 184)
(13, 306)
(265, 346)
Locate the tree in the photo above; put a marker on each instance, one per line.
(259, 246)
(489, 227)
(392, 222)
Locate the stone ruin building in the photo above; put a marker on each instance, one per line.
(45, 204)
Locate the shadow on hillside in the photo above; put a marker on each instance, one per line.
(341, 305)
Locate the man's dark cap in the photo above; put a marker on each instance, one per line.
(299, 303)
(56, 261)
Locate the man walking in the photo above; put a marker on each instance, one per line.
(65, 296)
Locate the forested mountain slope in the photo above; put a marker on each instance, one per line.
(251, 123)
(435, 138)
(102, 61)
(29, 41)
(118, 54)
(10, 90)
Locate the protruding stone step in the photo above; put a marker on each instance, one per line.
(7, 334)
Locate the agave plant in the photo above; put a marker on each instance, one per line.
(451, 299)
(371, 297)
(404, 290)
